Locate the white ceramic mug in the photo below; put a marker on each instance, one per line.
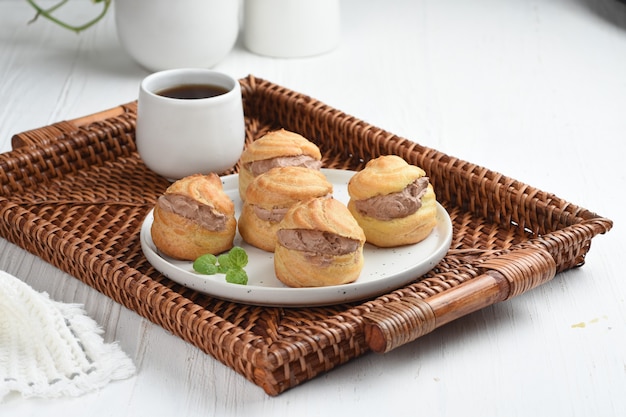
(177, 137)
(291, 28)
(166, 34)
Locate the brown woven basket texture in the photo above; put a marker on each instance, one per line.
(75, 193)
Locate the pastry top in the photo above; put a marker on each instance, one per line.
(280, 143)
(324, 215)
(284, 186)
(205, 190)
(384, 175)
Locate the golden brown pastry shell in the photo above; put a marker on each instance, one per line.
(284, 186)
(257, 232)
(302, 269)
(277, 188)
(278, 143)
(299, 269)
(205, 189)
(402, 231)
(182, 238)
(324, 214)
(384, 175)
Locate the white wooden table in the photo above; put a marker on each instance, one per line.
(533, 89)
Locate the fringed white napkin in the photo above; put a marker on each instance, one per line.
(52, 349)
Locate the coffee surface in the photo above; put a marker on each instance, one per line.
(193, 91)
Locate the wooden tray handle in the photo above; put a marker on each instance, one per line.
(398, 322)
(59, 130)
(105, 114)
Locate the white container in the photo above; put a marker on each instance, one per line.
(179, 137)
(166, 34)
(291, 28)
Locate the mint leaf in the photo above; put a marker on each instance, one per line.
(230, 264)
(237, 276)
(224, 261)
(205, 264)
(238, 257)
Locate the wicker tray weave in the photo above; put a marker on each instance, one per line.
(75, 194)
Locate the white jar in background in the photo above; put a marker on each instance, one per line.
(291, 28)
(166, 34)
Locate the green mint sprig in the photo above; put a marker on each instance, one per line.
(231, 264)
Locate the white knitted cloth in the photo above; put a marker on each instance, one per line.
(52, 349)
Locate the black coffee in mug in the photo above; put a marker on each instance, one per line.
(193, 91)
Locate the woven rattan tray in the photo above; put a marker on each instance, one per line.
(75, 193)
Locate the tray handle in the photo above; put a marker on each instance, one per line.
(398, 322)
(59, 130)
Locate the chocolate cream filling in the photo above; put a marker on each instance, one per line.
(264, 165)
(316, 242)
(192, 210)
(274, 215)
(395, 205)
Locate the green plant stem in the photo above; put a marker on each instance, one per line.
(47, 14)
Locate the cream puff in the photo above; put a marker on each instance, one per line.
(270, 195)
(393, 202)
(194, 217)
(319, 243)
(275, 149)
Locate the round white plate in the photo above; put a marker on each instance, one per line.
(384, 269)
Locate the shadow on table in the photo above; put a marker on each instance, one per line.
(612, 11)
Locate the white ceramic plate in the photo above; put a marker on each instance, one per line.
(384, 269)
